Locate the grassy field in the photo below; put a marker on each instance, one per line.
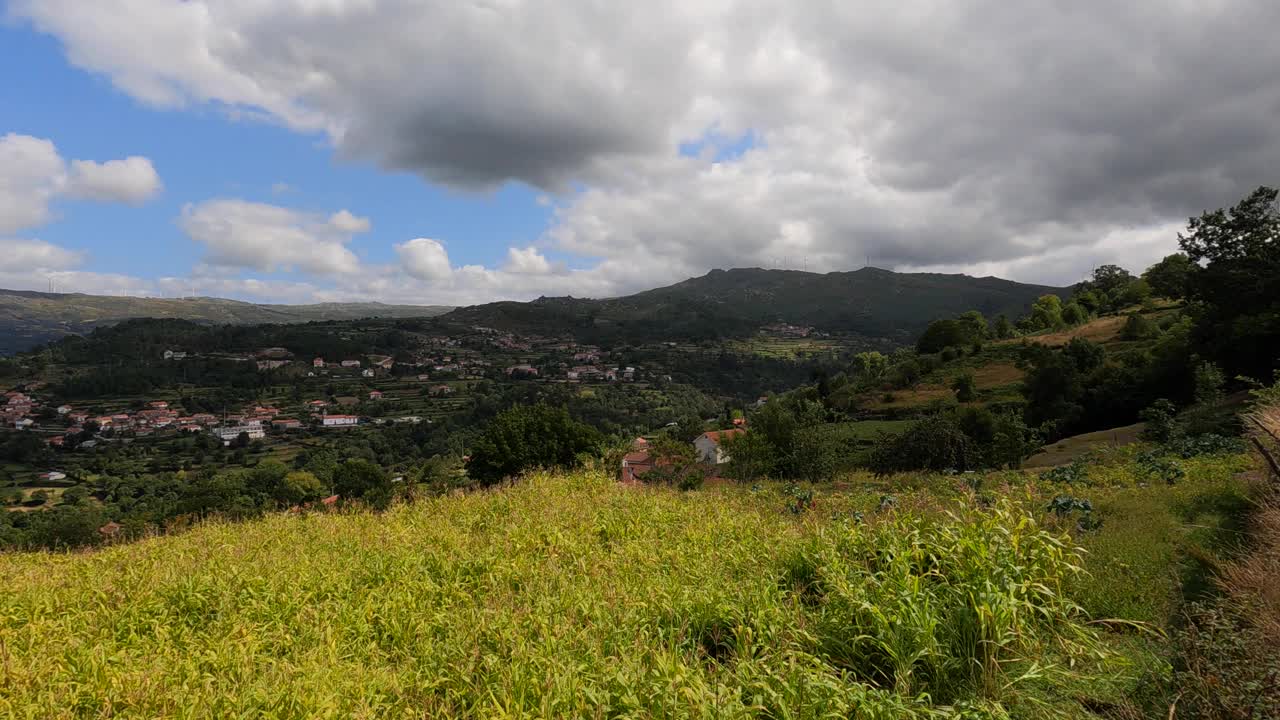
(1070, 448)
(571, 596)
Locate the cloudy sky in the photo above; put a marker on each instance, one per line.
(458, 151)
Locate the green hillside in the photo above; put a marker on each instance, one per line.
(31, 318)
(574, 596)
(736, 303)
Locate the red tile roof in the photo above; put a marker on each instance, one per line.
(716, 436)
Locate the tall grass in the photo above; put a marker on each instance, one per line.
(559, 597)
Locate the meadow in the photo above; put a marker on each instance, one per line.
(573, 596)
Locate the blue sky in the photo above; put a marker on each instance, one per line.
(461, 152)
(202, 154)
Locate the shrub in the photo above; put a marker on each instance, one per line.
(965, 387)
(1138, 327)
(1225, 671)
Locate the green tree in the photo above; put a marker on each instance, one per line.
(751, 456)
(1236, 282)
(1171, 277)
(975, 325)
(965, 387)
(1074, 314)
(1110, 280)
(360, 479)
(869, 366)
(1135, 293)
(1209, 382)
(943, 334)
(1003, 329)
(1046, 313)
(525, 437)
(299, 486)
(935, 443)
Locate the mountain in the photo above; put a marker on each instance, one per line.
(31, 318)
(736, 303)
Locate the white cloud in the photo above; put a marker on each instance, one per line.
(425, 259)
(346, 222)
(974, 134)
(242, 234)
(132, 180)
(19, 255)
(33, 174)
(527, 261)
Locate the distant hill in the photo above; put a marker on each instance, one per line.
(736, 303)
(29, 318)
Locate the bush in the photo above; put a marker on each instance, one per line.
(1225, 670)
(1138, 327)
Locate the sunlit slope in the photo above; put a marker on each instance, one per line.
(559, 597)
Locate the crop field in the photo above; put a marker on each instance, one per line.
(572, 596)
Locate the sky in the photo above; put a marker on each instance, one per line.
(462, 151)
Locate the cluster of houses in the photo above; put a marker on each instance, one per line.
(17, 410)
(708, 448)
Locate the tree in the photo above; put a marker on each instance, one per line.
(943, 334)
(1236, 282)
(1003, 329)
(361, 479)
(964, 387)
(975, 325)
(1046, 313)
(1171, 277)
(869, 366)
(1208, 383)
(1108, 280)
(1074, 314)
(1134, 293)
(525, 437)
(298, 487)
(751, 456)
(935, 443)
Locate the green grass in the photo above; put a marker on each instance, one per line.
(571, 596)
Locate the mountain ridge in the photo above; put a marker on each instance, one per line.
(29, 318)
(737, 302)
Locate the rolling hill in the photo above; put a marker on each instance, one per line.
(29, 318)
(736, 303)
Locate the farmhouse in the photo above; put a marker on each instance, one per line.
(318, 362)
(339, 420)
(375, 394)
(350, 363)
(286, 424)
(710, 448)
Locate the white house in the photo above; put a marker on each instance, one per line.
(340, 420)
(227, 434)
(709, 445)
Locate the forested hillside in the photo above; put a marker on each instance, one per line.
(736, 303)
